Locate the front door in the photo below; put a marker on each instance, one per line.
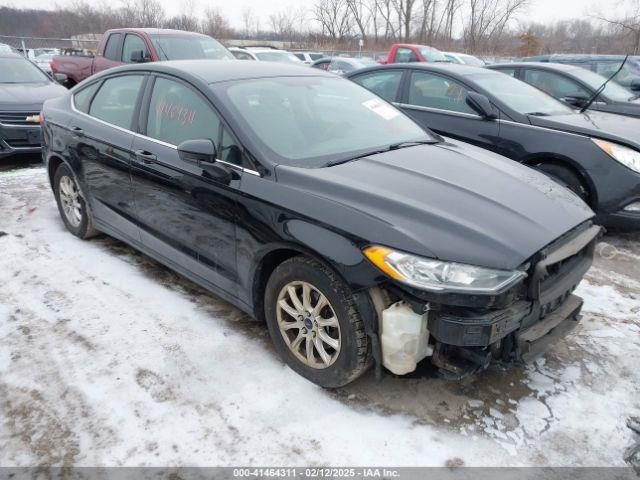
(439, 103)
(187, 210)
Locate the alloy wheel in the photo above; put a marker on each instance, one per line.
(308, 324)
(70, 201)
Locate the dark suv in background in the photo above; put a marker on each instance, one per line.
(603, 64)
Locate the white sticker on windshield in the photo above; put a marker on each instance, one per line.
(383, 109)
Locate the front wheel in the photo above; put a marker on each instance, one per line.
(71, 203)
(314, 323)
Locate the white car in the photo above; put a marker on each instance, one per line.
(43, 62)
(265, 54)
(309, 57)
(464, 59)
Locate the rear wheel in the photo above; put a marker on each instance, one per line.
(567, 178)
(314, 323)
(71, 203)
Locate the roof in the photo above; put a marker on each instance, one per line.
(155, 31)
(6, 54)
(455, 68)
(579, 57)
(561, 67)
(214, 71)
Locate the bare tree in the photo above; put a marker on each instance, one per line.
(215, 24)
(486, 21)
(404, 13)
(334, 17)
(629, 23)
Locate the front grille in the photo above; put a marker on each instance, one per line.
(561, 267)
(17, 118)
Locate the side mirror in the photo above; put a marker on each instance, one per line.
(576, 99)
(138, 56)
(635, 85)
(481, 104)
(198, 151)
(60, 78)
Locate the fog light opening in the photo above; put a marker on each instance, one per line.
(633, 207)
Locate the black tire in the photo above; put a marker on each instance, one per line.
(84, 229)
(354, 356)
(567, 178)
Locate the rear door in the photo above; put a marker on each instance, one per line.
(102, 138)
(438, 102)
(187, 210)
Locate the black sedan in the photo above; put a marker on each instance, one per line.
(575, 86)
(597, 155)
(305, 200)
(23, 89)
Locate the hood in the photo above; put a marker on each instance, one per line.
(608, 126)
(448, 201)
(28, 96)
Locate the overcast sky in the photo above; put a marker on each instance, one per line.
(540, 10)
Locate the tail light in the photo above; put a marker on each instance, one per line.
(41, 118)
(52, 64)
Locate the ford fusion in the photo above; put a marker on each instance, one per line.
(595, 154)
(309, 202)
(23, 89)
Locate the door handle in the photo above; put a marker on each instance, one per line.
(145, 157)
(77, 131)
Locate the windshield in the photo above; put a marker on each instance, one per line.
(430, 54)
(280, 57)
(189, 47)
(520, 96)
(471, 60)
(312, 121)
(613, 91)
(19, 70)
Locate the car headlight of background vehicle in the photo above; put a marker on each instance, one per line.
(625, 155)
(435, 275)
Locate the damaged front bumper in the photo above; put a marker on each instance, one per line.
(465, 339)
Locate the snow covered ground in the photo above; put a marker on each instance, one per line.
(108, 358)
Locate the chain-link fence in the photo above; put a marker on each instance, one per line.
(32, 47)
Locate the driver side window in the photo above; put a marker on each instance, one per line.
(133, 43)
(555, 85)
(434, 91)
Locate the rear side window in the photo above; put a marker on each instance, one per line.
(300, 56)
(82, 99)
(115, 102)
(383, 84)
(404, 55)
(434, 91)
(133, 43)
(113, 44)
(177, 113)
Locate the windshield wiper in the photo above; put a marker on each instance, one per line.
(333, 163)
(393, 146)
(396, 146)
(538, 114)
(597, 93)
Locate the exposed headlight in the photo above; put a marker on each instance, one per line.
(435, 275)
(625, 155)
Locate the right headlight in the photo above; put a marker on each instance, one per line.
(438, 276)
(625, 155)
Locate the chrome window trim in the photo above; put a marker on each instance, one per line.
(154, 140)
(438, 110)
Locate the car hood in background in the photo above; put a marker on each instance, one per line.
(23, 95)
(449, 201)
(609, 126)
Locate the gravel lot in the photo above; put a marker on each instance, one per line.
(108, 358)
